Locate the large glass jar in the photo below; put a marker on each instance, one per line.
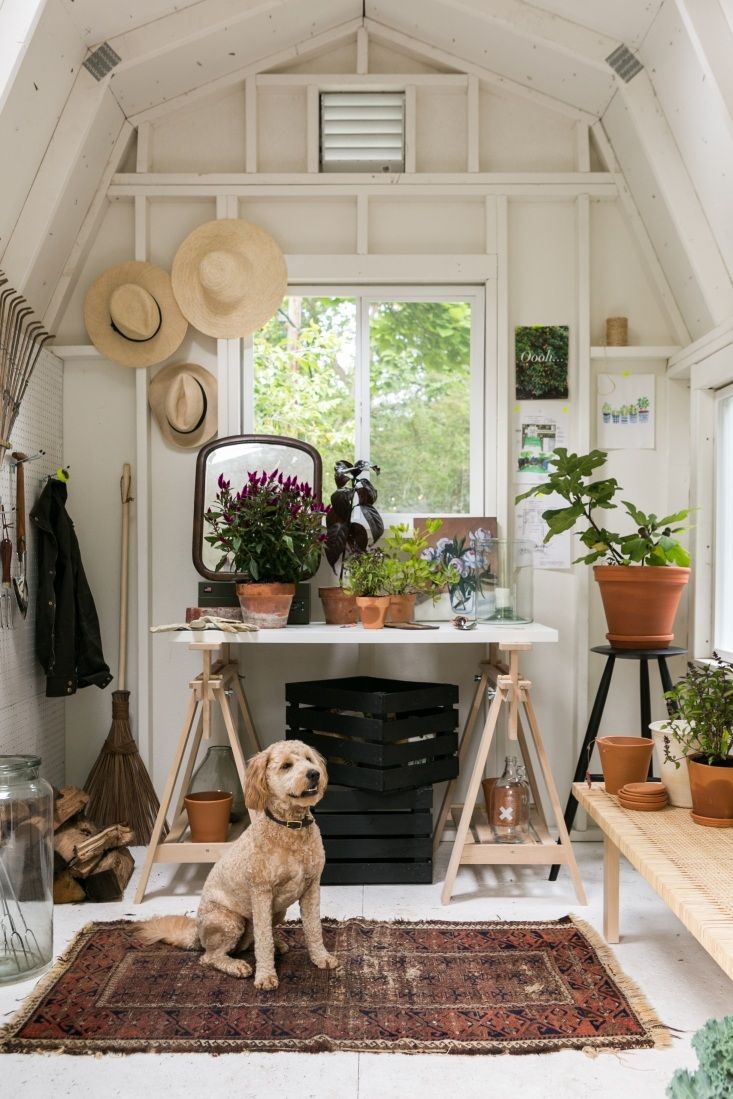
(503, 571)
(26, 868)
(510, 805)
(218, 771)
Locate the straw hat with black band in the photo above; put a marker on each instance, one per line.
(131, 315)
(229, 277)
(184, 401)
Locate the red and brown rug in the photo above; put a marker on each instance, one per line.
(431, 987)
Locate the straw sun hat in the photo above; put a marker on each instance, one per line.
(131, 315)
(184, 401)
(229, 277)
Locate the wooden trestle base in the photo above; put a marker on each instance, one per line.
(473, 842)
(212, 686)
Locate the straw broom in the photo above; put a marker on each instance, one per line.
(119, 786)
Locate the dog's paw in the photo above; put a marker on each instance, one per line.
(327, 961)
(281, 947)
(267, 980)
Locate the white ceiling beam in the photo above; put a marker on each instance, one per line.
(380, 32)
(680, 197)
(711, 36)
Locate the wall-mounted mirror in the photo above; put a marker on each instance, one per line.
(235, 457)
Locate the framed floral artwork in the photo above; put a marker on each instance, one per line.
(454, 544)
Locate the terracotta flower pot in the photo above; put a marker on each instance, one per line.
(339, 608)
(372, 610)
(401, 608)
(208, 815)
(266, 606)
(712, 791)
(640, 602)
(487, 785)
(675, 779)
(624, 759)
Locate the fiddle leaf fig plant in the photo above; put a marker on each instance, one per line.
(571, 477)
(353, 520)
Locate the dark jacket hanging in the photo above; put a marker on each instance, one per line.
(68, 643)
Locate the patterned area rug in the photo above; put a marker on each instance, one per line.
(432, 987)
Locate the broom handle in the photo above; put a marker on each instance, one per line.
(125, 494)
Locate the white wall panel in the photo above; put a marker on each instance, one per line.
(317, 226)
(427, 225)
(516, 135)
(281, 130)
(441, 131)
(210, 136)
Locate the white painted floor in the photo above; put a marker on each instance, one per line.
(684, 985)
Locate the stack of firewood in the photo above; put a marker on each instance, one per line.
(89, 864)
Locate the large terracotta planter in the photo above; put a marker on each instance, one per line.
(640, 602)
(339, 608)
(401, 608)
(372, 610)
(712, 793)
(675, 779)
(624, 759)
(208, 815)
(266, 606)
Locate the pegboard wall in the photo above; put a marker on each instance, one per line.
(30, 722)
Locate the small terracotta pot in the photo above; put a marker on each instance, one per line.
(401, 608)
(373, 610)
(712, 789)
(487, 785)
(266, 606)
(339, 608)
(640, 602)
(624, 759)
(208, 815)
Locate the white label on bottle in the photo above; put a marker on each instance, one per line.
(506, 813)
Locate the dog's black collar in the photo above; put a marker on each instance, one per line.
(304, 823)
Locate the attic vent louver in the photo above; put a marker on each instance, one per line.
(624, 63)
(102, 61)
(362, 131)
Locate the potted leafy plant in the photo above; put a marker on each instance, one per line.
(645, 571)
(412, 571)
(367, 579)
(606, 412)
(713, 1079)
(352, 524)
(701, 732)
(643, 404)
(270, 532)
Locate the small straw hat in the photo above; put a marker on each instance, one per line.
(229, 277)
(184, 401)
(131, 315)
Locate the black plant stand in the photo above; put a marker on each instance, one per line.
(594, 722)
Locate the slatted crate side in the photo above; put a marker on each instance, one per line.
(344, 799)
(378, 847)
(407, 823)
(370, 754)
(398, 727)
(393, 778)
(371, 695)
(419, 872)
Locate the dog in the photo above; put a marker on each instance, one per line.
(276, 861)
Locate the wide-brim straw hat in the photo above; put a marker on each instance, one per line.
(229, 277)
(184, 400)
(131, 315)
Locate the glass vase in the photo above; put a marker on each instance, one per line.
(218, 771)
(503, 580)
(510, 805)
(26, 868)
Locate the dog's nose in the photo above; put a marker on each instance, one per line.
(313, 776)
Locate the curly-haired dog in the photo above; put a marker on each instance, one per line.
(278, 860)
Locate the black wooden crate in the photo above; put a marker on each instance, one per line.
(377, 734)
(373, 838)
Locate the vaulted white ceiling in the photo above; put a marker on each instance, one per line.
(668, 132)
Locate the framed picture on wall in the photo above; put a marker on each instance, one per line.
(454, 541)
(541, 362)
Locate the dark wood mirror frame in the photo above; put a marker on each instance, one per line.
(200, 502)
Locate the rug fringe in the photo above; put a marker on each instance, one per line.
(643, 1009)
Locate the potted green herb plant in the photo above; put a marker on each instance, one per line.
(713, 1079)
(411, 571)
(644, 572)
(270, 533)
(367, 579)
(701, 732)
(352, 524)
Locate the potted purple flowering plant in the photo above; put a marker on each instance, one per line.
(270, 533)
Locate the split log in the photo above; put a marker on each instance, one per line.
(72, 801)
(68, 838)
(110, 877)
(88, 852)
(67, 890)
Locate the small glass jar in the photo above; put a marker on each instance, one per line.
(218, 771)
(510, 805)
(26, 869)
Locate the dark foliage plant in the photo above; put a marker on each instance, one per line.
(703, 700)
(352, 520)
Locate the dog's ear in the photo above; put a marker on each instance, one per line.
(322, 764)
(256, 790)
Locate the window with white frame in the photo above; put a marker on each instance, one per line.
(391, 375)
(723, 617)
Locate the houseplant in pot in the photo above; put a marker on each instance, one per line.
(270, 533)
(367, 580)
(644, 572)
(352, 524)
(702, 733)
(413, 568)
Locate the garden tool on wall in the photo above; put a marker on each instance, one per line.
(20, 583)
(6, 592)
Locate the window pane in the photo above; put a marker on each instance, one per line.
(724, 529)
(420, 366)
(304, 377)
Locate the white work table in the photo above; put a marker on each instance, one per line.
(318, 633)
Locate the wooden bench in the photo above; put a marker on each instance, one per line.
(687, 864)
